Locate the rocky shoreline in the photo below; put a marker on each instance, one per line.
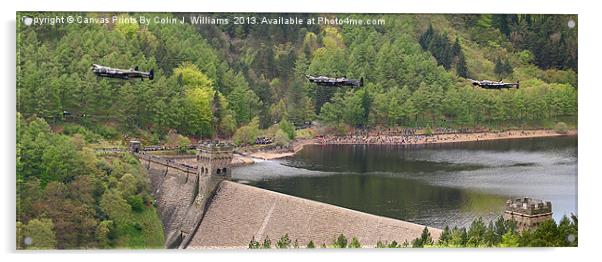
(242, 158)
(297, 145)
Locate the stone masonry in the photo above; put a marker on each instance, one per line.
(200, 208)
(527, 212)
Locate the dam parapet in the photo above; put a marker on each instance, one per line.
(201, 208)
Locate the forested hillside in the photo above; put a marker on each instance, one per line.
(211, 80)
(243, 81)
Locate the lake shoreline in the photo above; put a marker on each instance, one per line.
(408, 140)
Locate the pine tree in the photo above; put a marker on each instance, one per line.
(461, 68)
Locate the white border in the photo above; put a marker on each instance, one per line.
(589, 126)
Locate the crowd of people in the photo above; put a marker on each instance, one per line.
(379, 139)
(388, 139)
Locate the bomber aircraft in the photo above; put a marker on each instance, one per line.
(335, 81)
(487, 84)
(125, 74)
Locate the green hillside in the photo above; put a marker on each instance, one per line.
(213, 79)
(243, 81)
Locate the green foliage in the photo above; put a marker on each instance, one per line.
(428, 131)
(283, 242)
(198, 112)
(192, 77)
(424, 240)
(393, 244)
(38, 234)
(248, 133)
(476, 233)
(287, 127)
(263, 74)
(128, 185)
(72, 129)
(444, 50)
(445, 236)
(88, 208)
(502, 68)
(243, 101)
(176, 140)
(350, 108)
(205, 86)
(561, 128)
(510, 239)
(311, 244)
(126, 27)
(136, 202)
(503, 233)
(340, 242)
(253, 244)
(116, 208)
(104, 233)
(355, 243)
(281, 138)
(305, 133)
(267, 243)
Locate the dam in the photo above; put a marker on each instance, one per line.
(202, 208)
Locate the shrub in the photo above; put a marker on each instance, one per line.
(393, 244)
(428, 131)
(136, 202)
(355, 243)
(138, 226)
(425, 239)
(247, 134)
(561, 128)
(311, 244)
(340, 242)
(176, 140)
(341, 129)
(267, 243)
(305, 133)
(283, 242)
(287, 127)
(281, 138)
(89, 136)
(253, 244)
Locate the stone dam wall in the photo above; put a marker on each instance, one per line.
(233, 214)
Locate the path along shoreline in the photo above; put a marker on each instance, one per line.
(297, 145)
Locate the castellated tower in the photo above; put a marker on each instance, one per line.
(214, 160)
(213, 167)
(527, 212)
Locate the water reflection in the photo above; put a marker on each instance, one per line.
(434, 185)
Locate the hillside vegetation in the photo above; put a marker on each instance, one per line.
(211, 80)
(243, 81)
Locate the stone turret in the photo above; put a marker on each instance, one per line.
(214, 160)
(135, 146)
(213, 167)
(527, 212)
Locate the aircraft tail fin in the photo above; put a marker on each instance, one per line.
(362, 81)
(151, 74)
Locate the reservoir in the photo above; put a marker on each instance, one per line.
(434, 185)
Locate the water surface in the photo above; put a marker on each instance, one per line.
(434, 185)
